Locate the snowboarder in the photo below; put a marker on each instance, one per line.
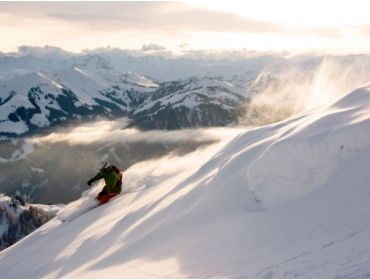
(113, 182)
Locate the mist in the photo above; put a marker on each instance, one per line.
(54, 168)
(114, 131)
(304, 84)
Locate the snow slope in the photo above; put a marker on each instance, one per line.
(286, 200)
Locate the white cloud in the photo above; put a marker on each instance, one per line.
(152, 47)
(261, 25)
(112, 132)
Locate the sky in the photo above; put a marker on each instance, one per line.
(328, 26)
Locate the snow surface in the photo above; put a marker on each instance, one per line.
(80, 206)
(288, 200)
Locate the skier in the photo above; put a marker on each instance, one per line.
(113, 182)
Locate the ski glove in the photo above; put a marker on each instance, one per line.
(90, 182)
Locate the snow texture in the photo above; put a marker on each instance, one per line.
(81, 206)
(287, 200)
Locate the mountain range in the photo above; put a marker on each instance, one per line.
(41, 99)
(41, 88)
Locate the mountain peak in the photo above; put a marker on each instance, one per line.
(96, 63)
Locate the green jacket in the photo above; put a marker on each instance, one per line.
(111, 178)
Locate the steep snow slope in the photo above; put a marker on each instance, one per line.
(285, 200)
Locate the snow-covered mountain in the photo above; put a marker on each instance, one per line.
(40, 99)
(163, 67)
(18, 219)
(42, 87)
(94, 88)
(287, 200)
(195, 102)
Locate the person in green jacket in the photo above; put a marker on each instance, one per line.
(113, 182)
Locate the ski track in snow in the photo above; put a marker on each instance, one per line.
(254, 207)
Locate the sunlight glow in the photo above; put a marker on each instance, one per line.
(303, 12)
(264, 25)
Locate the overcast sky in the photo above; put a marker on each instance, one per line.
(263, 25)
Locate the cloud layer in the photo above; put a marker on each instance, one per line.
(260, 25)
(114, 132)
